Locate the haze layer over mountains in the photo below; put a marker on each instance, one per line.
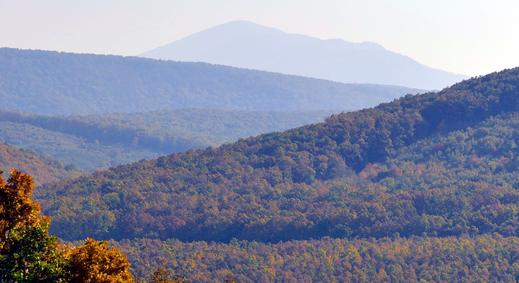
(248, 45)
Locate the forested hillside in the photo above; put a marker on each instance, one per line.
(282, 186)
(101, 141)
(54, 83)
(44, 170)
(422, 188)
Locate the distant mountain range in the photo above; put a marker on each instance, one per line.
(248, 45)
(53, 83)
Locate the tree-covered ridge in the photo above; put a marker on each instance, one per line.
(489, 258)
(102, 141)
(302, 183)
(209, 127)
(43, 169)
(57, 83)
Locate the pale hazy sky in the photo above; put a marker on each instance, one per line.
(465, 36)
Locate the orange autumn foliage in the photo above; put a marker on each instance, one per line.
(17, 209)
(98, 262)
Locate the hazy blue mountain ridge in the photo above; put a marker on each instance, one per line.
(248, 45)
(53, 83)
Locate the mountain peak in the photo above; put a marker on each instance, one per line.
(246, 44)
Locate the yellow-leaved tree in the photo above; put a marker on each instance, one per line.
(98, 262)
(29, 254)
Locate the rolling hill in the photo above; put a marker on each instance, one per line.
(101, 141)
(249, 45)
(422, 188)
(248, 189)
(53, 83)
(42, 169)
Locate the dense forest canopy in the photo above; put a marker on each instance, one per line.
(51, 83)
(489, 258)
(302, 183)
